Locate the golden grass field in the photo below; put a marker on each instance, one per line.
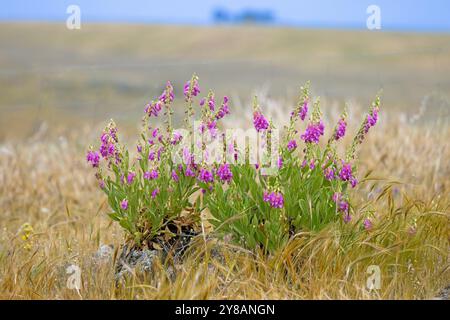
(46, 183)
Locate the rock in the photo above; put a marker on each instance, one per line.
(104, 253)
(177, 246)
(444, 294)
(133, 261)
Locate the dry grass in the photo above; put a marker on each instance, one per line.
(45, 182)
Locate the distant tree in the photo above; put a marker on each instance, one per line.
(221, 15)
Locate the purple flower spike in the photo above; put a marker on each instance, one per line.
(367, 224)
(292, 145)
(224, 109)
(124, 204)
(260, 122)
(280, 162)
(189, 172)
(336, 197)
(151, 175)
(155, 193)
(177, 137)
(205, 176)
(303, 111)
(167, 96)
(224, 173)
(275, 199)
(93, 157)
(371, 120)
(329, 174)
(343, 206)
(313, 132)
(347, 218)
(346, 172)
(188, 93)
(174, 176)
(153, 109)
(130, 177)
(211, 103)
(340, 130)
(212, 128)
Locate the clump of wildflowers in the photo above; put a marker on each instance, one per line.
(151, 191)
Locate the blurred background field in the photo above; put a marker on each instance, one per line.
(70, 77)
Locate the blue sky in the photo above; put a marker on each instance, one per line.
(419, 15)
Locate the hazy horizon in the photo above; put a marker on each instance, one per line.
(346, 14)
